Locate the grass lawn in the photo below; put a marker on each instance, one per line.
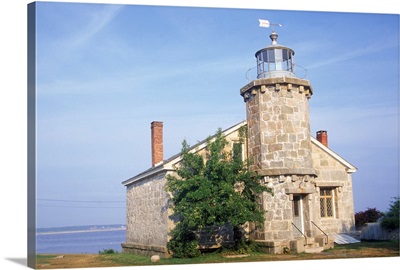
(358, 250)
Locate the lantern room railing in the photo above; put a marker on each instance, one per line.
(301, 73)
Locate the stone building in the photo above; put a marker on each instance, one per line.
(312, 185)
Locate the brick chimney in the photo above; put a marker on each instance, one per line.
(157, 155)
(322, 137)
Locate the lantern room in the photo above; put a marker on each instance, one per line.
(275, 60)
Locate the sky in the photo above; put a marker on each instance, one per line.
(105, 72)
(375, 102)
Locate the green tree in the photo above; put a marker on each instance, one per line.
(391, 218)
(212, 191)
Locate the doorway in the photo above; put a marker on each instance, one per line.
(298, 216)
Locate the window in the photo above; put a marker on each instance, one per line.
(327, 201)
(238, 151)
(296, 206)
(287, 60)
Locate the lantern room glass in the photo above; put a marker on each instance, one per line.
(274, 62)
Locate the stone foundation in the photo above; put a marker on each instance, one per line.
(325, 242)
(298, 245)
(145, 250)
(273, 247)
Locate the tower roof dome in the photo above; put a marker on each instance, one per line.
(275, 60)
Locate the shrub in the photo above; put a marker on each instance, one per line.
(183, 242)
(391, 218)
(370, 215)
(108, 251)
(286, 250)
(244, 247)
(183, 249)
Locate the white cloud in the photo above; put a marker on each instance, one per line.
(98, 20)
(353, 53)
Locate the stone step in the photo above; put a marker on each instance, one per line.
(313, 249)
(310, 240)
(312, 244)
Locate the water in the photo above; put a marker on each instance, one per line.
(80, 240)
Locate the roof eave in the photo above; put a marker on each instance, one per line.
(152, 171)
(349, 167)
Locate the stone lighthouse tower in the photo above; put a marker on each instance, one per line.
(278, 115)
(279, 146)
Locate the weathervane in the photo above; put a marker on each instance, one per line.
(266, 23)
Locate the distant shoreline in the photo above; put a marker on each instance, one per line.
(83, 231)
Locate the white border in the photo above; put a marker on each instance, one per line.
(13, 121)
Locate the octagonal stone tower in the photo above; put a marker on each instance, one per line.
(278, 115)
(279, 148)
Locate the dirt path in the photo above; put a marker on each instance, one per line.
(73, 261)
